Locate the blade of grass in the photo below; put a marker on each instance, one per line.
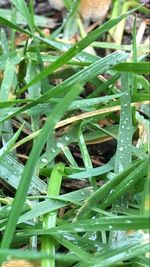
(71, 13)
(34, 255)
(102, 223)
(84, 75)
(52, 205)
(105, 189)
(124, 146)
(22, 7)
(40, 21)
(6, 90)
(75, 50)
(73, 248)
(69, 156)
(25, 181)
(12, 25)
(113, 257)
(135, 67)
(134, 78)
(5, 149)
(49, 219)
(125, 185)
(10, 174)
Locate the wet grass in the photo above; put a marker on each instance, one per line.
(47, 113)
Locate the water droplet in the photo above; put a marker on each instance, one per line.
(59, 145)
(44, 160)
(128, 221)
(79, 229)
(10, 113)
(67, 138)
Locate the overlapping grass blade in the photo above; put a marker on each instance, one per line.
(76, 49)
(113, 257)
(101, 193)
(126, 184)
(80, 252)
(100, 224)
(84, 75)
(5, 149)
(40, 21)
(25, 181)
(49, 219)
(34, 255)
(51, 205)
(10, 174)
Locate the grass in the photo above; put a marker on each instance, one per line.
(46, 113)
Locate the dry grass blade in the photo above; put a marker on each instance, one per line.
(95, 113)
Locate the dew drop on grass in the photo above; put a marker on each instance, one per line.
(10, 113)
(53, 150)
(79, 229)
(128, 221)
(93, 237)
(66, 138)
(59, 145)
(121, 148)
(44, 160)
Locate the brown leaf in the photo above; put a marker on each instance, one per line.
(89, 9)
(94, 9)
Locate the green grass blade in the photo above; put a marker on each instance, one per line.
(137, 67)
(12, 25)
(40, 21)
(52, 205)
(7, 80)
(126, 184)
(76, 49)
(49, 219)
(25, 181)
(113, 257)
(100, 224)
(73, 248)
(124, 146)
(22, 7)
(5, 149)
(102, 192)
(10, 174)
(84, 75)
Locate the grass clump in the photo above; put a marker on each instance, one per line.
(60, 105)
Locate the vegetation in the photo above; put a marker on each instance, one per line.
(57, 98)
